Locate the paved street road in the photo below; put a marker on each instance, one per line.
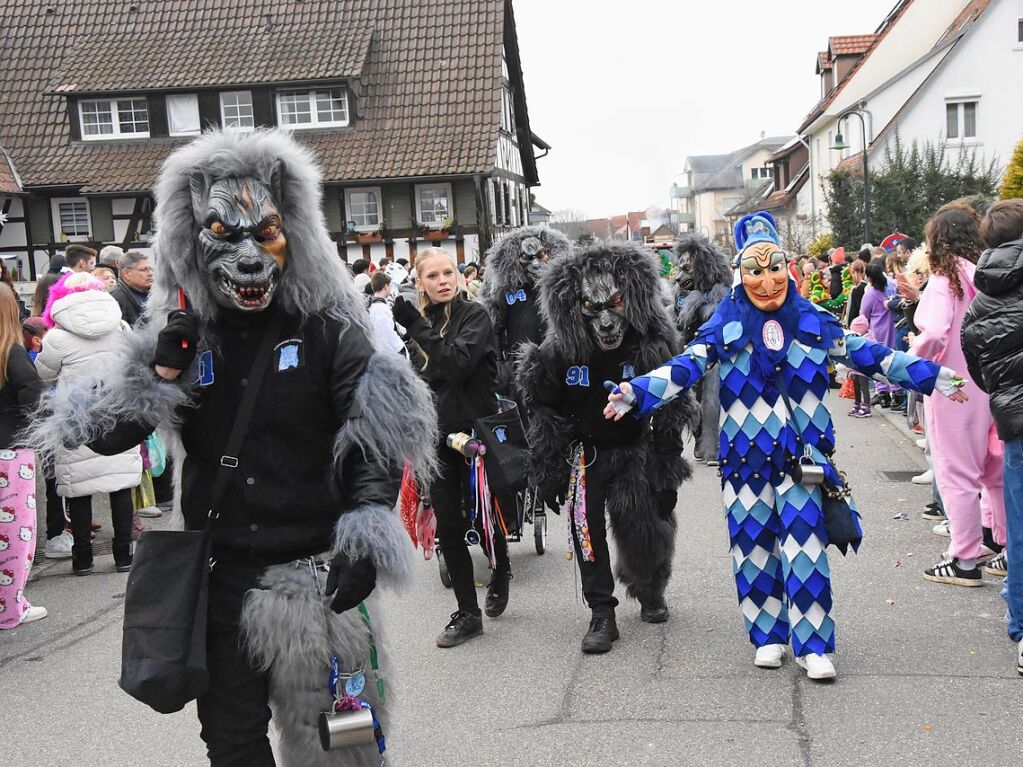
(925, 673)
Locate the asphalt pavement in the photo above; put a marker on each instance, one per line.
(925, 672)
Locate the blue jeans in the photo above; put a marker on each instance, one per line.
(1014, 535)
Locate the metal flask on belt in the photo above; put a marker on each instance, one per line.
(346, 728)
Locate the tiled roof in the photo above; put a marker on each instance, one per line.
(8, 178)
(850, 45)
(823, 62)
(208, 57)
(970, 13)
(889, 23)
(429, 95)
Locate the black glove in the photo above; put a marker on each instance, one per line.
(181, 326)
(352, 579)
(405, 313)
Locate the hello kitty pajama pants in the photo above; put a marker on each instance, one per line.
(17, 532)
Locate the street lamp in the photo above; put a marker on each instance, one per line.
(839, 145)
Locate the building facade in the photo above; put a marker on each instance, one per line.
(418, 120)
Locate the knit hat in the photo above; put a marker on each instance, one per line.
(838, 256)
(860, 326)
(72, 282)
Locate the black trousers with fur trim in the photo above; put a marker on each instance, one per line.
(235, 711)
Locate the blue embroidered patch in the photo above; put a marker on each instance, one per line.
(578, 375)
(501, 433)
(288, 358)
(513, 297)
(204, 376)
(628, 371)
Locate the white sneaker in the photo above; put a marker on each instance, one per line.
(150, 512)
(922, 443)
(942, 529)
(1019, 657)
(817, 667)
(769, 656)
(60, 546)
(924, 479)
(34, 614)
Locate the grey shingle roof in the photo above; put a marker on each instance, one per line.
(429, 83)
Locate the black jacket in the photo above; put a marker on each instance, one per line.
(992, 335)
(131, 305)
(460, 366)
(18, 396)
(855, 299)
(284, 498)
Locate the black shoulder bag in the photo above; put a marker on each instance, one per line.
(841, 521)
(163, 649)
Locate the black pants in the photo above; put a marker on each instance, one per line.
(121, 512)
(235, 710)
(450, 493)
(861, 387)
(163, 486)
(55, 519)
(598, 580)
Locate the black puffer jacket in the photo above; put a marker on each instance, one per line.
(992, 335)
(460, 365)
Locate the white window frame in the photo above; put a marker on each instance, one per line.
(419, 205)
(314, 122)
(114, 119)
(959, 103)
(380, 207)
(223, 114)
(58, 230)
(195, 131)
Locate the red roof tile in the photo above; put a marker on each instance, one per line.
(850, 45)
(823, 63)
(8, 178)
(429, 94)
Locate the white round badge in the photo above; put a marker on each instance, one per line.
(774, 336)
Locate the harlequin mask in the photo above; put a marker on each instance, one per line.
(764, 276)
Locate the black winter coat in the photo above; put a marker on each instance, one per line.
(992, 335)
(460, 366)
(18, 396)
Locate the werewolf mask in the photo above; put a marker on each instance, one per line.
(242, 250)
(603, 306)
(532, 255)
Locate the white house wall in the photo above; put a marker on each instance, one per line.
(13, 235)
(988, 63)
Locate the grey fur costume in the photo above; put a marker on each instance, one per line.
(504, 269)
(698, 291)
(288, 626)
(643, 470)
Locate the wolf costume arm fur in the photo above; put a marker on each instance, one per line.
(390, 420)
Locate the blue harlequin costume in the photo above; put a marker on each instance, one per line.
(776, 526)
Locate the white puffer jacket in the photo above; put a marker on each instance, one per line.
(88, 331)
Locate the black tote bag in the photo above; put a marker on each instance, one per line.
(163, 649)
(506, 460)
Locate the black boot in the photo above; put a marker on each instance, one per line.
(602, 632)
(80, 513)
(497, 592)
(121, 513)
(654, 611)
(462, 627)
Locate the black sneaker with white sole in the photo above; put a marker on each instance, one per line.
(949, 571)
(997, 566)
(933, 513)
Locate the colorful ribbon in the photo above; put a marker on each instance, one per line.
(578, 529)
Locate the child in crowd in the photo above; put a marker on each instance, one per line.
(861, 383)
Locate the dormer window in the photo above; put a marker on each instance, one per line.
(321, 108)
(114, 118)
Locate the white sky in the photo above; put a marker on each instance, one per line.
(624, 90)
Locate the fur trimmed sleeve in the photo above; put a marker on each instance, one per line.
(549, 434)
(123, 392)
(391, 421)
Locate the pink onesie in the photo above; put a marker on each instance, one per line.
(965, 448)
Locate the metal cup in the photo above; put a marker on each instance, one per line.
(346, 728)
(808, 474)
